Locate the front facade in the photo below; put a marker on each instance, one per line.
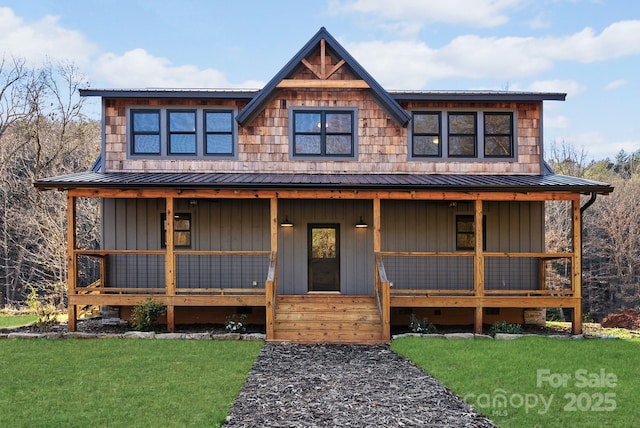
(323, 206)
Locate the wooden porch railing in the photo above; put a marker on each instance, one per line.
(101, 286)
(383, 297)
(420, 288)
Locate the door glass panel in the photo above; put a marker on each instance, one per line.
(323, 243)
(324, 258)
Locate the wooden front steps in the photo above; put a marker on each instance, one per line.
(326, 318)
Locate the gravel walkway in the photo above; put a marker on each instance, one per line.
(345, 386)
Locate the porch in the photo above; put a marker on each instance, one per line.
(479, 279)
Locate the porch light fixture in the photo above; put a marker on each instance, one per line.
(361, 224)
(286, 222)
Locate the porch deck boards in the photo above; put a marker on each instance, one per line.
(327, 319)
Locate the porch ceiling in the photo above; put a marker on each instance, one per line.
(276, 181)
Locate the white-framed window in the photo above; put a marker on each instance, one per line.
(463, 135)
(209, 133)
(323, 133)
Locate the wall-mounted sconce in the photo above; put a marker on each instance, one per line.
(453, 204)
(286, 222)
(361, 224)
(193, 202)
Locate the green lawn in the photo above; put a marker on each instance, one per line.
(120, 382)
(545, 382)
(7, 320)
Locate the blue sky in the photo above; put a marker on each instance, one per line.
(589, 49)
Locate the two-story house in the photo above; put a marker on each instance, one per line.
(324, 206)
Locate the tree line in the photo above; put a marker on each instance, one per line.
(44, 132)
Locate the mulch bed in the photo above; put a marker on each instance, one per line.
(346, 386)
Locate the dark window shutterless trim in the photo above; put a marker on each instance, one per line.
(498, 138)
(462, 134)
(182, 134)
(426, 136)
(321, 133)
(145, 134)
(218, 134)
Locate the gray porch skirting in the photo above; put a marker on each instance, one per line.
(345, 386)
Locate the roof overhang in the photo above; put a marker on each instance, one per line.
(275, 181)
(477, 96)
(171, 93)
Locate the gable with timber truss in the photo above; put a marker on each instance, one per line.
(323, 64)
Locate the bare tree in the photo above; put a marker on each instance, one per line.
(44, 133)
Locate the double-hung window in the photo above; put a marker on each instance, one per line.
(426, 136)
(181, 132)
(462, 135)
(181, 230)
(145, 134)
(498, 135)
(325, 133)
(218, 127)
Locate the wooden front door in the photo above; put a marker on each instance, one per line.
(324, 257)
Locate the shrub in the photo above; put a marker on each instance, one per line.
(235, 323)
(145, 314)
(421, 326)
(45, 310)
(505, 327)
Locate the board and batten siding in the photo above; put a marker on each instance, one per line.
(217, 225)
(430, 226)
(356, 245)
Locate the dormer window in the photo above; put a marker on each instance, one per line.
(323, 133)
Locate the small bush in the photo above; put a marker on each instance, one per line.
(235, 323)
(421, 326)
(45, 310)
(145, 314)
(505, 327)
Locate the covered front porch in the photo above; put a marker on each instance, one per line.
(256, 273)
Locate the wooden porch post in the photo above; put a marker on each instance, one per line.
(376, 226)
(72, 269)
(170, 265)
(270, 288)
(385, 298)
(576, 267)
(478, 266)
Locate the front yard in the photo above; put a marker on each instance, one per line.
(531, 381)
(537, 381)
(117, 382)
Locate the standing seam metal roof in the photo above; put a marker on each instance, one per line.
(432, 182)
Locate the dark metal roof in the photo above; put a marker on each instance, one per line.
(432, 182)
(246, 94)
(385, 100)
(493, 96)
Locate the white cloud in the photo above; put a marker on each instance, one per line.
(138, 68)
(46, 39)
(617, 40)
(615, 85)
(42, 40)
(556, 122)
(483, 13)
(412, 63)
